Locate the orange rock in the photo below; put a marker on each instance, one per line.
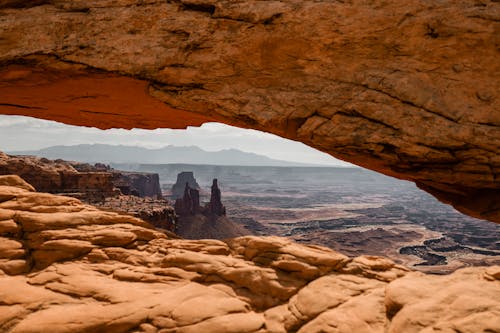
(85, 270)
(404, 88)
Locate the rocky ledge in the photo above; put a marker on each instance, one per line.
(158, 212)
(69, 267)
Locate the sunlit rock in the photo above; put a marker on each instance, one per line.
(79, 269)
(409, 89)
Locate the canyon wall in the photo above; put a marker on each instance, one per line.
(133, 193)
(59, 177)
(183, 178)
(138, 183)
(406, 88)
(82, 180)
(141, 184)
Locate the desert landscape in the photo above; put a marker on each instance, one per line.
(351, 210)
(69, 267)
(407, 89)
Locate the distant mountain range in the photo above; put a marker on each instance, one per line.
(93, 153)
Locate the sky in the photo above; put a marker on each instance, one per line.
(25, 133)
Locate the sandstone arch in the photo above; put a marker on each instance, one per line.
(409, 89)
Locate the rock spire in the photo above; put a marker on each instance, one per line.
(215, 206)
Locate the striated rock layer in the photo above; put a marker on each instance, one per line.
(68, 267)
(59, 177)
(91, 183)
(406, 88)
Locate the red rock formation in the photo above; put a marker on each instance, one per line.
(158, 212)
(215, 206)
(68, 267)
(162, 218)
(90, 183)
(59, 177)
(184, 177)
(210, 221)
(189, 204)
(140, 184)
(406, 88)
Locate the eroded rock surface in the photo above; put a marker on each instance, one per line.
(407, 88)
(215, 207)
(68, 267)
(210, 221)
(189, 203)
(59, 177)
(140, 184)
(179, 188)
(91, 183)
(158, 212)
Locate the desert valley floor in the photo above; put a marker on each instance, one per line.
(351, 210)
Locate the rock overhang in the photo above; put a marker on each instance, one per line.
(409, 90)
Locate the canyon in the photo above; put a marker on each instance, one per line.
(69, 267)
(408, 89)
(405, 88)
(351, 210)
(135, 193)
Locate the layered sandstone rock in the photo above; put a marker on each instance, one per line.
(91, 183)
(59, 177)
(68, 267)
(140, 184)
(407, 88)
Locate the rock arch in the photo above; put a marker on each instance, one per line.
(406, 89)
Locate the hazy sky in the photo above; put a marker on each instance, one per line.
(24, 133)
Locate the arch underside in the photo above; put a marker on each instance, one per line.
(410, 91)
